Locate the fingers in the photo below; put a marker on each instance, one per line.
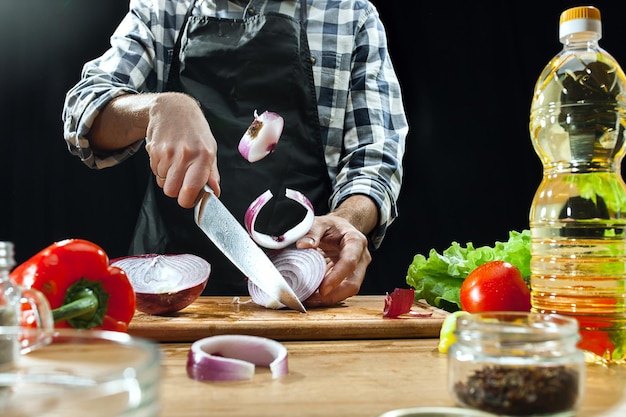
(214, 180)
(312, 238)
(346, 249)
(182, 149)
(186, 184)
(347, 263)
(193, 182)
(346, 288)
(346, 275)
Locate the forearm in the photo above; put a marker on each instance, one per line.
(360, 211)
(122, 122)
(126, 118)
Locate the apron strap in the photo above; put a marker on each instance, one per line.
(303, 13)
(175, 64)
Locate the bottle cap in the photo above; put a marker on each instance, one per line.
(7, 256)
(580, 19)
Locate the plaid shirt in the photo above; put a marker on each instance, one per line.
(362, 119)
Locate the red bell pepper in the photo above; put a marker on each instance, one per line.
(595, 336)
(83, 289)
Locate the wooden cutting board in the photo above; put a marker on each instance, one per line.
(358, 317)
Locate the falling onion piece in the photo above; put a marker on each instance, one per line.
(303, 269)
(398, 302)
(291, 235)
(261, 137)
(234, 357)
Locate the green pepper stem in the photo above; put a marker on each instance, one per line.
(85, 305)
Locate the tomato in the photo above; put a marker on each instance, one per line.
(495, 286)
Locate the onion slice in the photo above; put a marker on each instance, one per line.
(158, 273)
(165, 284)
(261, 137)
(303, 269)
(291, 235)
(234, 357)
(398, 302)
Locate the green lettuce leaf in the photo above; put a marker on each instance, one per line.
(438, 277)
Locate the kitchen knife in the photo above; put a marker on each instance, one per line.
(234, 241)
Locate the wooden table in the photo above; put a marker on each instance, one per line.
(345, 361)
(360, 378)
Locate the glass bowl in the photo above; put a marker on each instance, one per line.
(435, 412)
(101, 373)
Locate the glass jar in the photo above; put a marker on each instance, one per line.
(12, 299)
(517, 364)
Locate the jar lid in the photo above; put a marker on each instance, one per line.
(580, 19)
(436, 412)
(513, 328)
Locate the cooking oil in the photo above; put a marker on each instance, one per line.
(578, 214)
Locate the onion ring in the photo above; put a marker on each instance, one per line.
(234, 357)
(291, 235)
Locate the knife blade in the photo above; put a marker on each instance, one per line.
(234, 241)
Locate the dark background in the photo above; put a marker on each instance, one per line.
(467, 71)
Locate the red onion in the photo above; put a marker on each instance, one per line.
(303, 269)
(233, 358)
(165, 284)
(261, 137)
(398, 302)
(290, 236)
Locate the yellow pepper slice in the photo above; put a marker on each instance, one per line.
(446, 335)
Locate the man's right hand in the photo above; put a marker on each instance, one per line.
(182, 149)
(179, 141)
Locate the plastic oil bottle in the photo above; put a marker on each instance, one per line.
(578, 214)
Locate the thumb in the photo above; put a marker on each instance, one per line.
(307, 241)
(310, 240)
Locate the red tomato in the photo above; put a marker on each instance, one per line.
(495, 286)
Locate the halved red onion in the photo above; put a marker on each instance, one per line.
(261, 137)
(303, 269)
(291, 235)
(165, 284)
(234, 357)
(398, 302)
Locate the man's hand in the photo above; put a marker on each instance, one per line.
(182, 149)
(179, 142)
(345, 249)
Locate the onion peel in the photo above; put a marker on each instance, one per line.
(288, 237)
(234, 358)
(398, 302)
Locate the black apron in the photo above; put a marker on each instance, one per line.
(234, 67)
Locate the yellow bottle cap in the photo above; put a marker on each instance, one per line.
(580, 19)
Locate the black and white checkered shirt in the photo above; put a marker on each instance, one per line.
(362, 119)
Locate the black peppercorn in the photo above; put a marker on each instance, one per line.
(517, 364)
(519, 390)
